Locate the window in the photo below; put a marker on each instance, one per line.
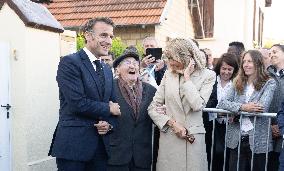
(202, 13)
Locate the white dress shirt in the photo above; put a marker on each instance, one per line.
(91, 56)
(221, 93)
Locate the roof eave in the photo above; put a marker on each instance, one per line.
(43, 27)
(26, 20)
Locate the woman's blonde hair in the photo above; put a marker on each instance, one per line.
(182, 50)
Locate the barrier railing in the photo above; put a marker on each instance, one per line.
(241, 114)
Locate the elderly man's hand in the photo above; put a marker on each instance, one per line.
(114, 108)
(161, 109)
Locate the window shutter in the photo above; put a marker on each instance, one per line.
(202, 13)
(208, 18)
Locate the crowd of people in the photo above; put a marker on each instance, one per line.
(133, 113)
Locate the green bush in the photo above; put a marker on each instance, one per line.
(80, 41)
(140, 49)
(117, 46)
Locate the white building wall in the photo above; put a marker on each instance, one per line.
(175, 22)
(68, 42)
(233, 21)
(12, 30)
(34, 92)
(43, 56)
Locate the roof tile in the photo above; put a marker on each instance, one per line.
(74, 13)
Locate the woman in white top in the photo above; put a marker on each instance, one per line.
(252, 92)
(226, 69)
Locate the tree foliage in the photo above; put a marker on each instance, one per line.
(117, 46)
(80, 41)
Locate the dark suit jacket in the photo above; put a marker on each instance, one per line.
(212, 103)
(82, 104)
(133, 138)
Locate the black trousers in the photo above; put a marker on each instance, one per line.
(273, 162)
(245, 158)
(155, 147)
(127, 167)
(98, 163)
(219, 146)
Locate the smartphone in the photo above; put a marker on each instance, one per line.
(155, 52)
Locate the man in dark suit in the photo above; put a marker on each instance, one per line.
(87, 103)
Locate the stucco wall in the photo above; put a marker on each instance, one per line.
(175, 22)
(34, 93)
(42, 57)
(68, 42)
(12, 31)
(134, 35)
(228, 25)
(233, 21)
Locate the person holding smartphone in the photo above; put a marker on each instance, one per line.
(150, 61)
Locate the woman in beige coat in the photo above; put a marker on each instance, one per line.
(177, 108)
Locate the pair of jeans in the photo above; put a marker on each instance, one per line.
(245, 158)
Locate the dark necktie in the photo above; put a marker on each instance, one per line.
(100, 72)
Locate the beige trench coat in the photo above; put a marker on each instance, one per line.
(184, 102)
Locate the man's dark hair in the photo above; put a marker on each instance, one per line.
(240, 46)
(281, 47)
(90, 24)
(88, 27)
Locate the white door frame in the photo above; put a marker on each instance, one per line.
(5, 126)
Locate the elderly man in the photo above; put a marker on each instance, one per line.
(131, 143)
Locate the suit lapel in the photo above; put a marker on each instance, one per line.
(86, 61)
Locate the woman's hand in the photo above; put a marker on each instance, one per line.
(189, 69)
(179, 130)
(252, 107)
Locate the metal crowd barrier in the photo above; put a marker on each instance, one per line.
(227, 113)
